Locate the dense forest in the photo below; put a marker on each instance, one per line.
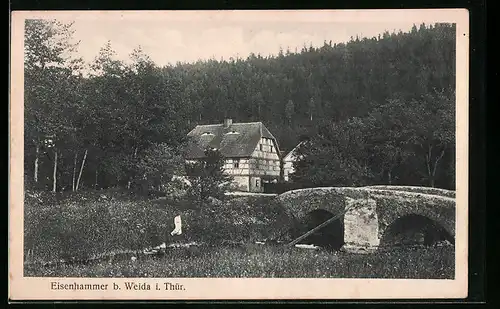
(368, 111)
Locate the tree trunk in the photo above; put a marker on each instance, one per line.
(434, 168)
(96, 171)
(74, 171)
(54, 175)
(428, 164)
(37, 151)
(130, 180)
(81, 170)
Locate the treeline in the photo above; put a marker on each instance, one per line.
(373, 110)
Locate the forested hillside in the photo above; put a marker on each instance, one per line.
(373, 110)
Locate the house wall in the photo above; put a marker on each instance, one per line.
(241, 183)
(256, 184)
(241, 168)
(241, 179)
(264, 164)
(288, 167)
(248, 173)
(265, 160)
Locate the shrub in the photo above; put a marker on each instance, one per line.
(424, 190)
(237, 219)
(86, 227)
(89, 224)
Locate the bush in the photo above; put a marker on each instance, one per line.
(85, 225)
(424, 190)
(237, 219)
(88, 224)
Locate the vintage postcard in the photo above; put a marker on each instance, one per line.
(198, 155)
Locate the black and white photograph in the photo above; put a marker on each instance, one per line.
(225, 144)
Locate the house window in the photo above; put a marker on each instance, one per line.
(271, 148)
(236, 164)
(257, 183)
(261, 147)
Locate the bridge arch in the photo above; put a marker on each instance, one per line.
(330, 236)
(414, 229)
(369, 214)
(392, 207)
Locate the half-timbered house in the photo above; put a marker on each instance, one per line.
(250, 151)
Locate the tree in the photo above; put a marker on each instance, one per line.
(390, 99)
(158, 164)
(404, 129)
(208, 178)
(51, 80)
(336, 156)
(434, 130)
(289, 111)
(48, 43)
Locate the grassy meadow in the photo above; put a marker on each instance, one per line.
(86, 226)
(270, 262)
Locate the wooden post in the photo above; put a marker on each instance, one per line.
(296, 240)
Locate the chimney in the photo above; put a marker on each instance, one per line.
(228, 122)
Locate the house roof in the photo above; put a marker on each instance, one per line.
(237, 140)
(291, 154)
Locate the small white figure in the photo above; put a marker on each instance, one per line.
(178, 226)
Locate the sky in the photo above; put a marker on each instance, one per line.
(169, 37)
(169, 42)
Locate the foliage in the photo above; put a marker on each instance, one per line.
(158, 164)
(382, 146)
(87, 224)
(51, 93)
(208, 178)
(336, 155)
(383, 107)
(235, 220)
(425, 190)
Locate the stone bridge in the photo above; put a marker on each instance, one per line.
(370, 217)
